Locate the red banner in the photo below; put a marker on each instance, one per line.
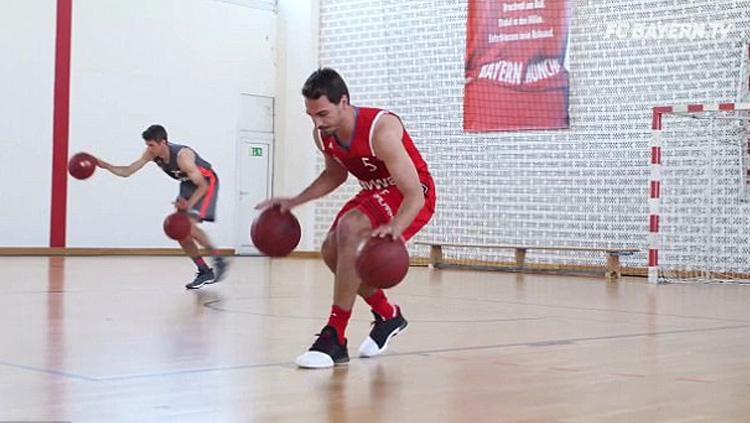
(515, 70)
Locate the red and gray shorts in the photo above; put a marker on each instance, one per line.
(205, 209)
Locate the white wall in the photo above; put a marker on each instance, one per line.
(180, 63)
(295, 152)
(27, 48)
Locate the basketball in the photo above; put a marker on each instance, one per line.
(274, 233)
(382, 262)
(81, 165)
(177, 226)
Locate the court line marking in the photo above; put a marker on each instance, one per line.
(426, 353)
(212, 305)
(605, 310)
(555, 342)
(54, 372)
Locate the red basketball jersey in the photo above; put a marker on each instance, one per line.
(358, 158)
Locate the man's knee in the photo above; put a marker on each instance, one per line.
(328, 251)
(352, 227)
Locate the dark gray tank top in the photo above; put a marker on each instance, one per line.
(171, 168)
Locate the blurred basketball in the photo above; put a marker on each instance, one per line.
(81, 165)
(177, 226)
(382, 262)
(275, 233)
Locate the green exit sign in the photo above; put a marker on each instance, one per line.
(256, 152)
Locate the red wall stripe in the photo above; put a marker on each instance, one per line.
(655, 189)
(656, 119)
(655, 155)
(60, 124)
(653, 226)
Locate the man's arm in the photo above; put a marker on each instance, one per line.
(186, 163)
(389, 148)
(125, 171)
(333, 175)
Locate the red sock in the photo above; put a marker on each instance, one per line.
(339, 319)
(380, 305)
(200, 263)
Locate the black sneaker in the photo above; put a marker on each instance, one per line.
(325, 352)
(220, 269)
(203, 277)
(382, 332)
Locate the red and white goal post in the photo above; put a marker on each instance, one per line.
(699, 214)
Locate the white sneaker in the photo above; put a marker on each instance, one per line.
(325, 352)
(382, 331)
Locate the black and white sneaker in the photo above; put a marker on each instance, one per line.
(203, 277)
(382, 332)
(220, 269)
(325, 352)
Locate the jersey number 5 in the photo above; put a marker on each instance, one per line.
(368, 165)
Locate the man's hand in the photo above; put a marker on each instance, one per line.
(388, 230)
(181, 204)
(285, 204)
(102, 164)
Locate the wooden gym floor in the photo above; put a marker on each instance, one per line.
(105, 339)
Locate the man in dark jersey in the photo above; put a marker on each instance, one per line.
(397, 199)
(199, 189)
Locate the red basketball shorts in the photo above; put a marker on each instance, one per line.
(380, 206)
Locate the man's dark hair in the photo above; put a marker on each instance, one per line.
(325, 82)
(155, 132)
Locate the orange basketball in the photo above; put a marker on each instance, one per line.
(382, 262)
(177, 226)
(81, 165)
(274, 233)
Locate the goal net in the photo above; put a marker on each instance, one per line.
(699, 211)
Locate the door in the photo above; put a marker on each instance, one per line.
(254, 164)
(254, 184)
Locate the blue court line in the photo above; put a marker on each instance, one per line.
(190, 371)
(555, 342)
(543, 343)
(212, 305)
(580, 308)
(48, 371)
(215, 305)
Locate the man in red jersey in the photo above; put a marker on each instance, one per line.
(397, 199)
